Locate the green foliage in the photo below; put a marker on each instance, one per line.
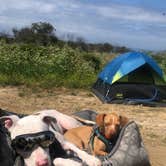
(40, 33)
(161, 60)
(46, 66)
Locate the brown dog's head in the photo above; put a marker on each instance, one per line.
(110, 124)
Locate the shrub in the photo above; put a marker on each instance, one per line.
(46, 66)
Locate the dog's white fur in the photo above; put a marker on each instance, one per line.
(64, 121)
(36, 123)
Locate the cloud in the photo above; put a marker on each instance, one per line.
(96, 22)
(25, 5)
(130, 13)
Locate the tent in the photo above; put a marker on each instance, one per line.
(131, 77)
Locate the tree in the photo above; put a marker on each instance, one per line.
(43, 28)
(44, 33)
(41, 33)
(24, 35)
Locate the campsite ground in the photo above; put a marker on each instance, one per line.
(152, 121)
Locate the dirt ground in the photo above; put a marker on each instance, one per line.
(151, 120)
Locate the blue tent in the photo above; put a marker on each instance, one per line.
(132, 75)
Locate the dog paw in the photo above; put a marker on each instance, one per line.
(65, 162)
(93, 161)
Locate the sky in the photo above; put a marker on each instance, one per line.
(137, 24)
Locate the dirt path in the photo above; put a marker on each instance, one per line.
(152, 121)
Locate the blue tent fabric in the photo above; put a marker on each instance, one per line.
(132, 76)
(126, 63)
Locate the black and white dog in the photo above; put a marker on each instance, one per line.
(32, 136)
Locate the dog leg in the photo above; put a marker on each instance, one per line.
(84, 156)
(65, 162)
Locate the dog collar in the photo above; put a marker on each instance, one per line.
(96, 133)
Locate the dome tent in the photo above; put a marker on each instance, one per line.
(132, 76)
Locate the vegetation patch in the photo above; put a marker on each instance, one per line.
(47, 66)
(35, 57)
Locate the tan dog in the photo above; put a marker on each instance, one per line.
(109, 127)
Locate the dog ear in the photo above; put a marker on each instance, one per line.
(9, 121)
(100, 121)
(123, 120)
(52, 122)
(49, 120)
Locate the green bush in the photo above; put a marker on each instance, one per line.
(46, 66)
(161, 60)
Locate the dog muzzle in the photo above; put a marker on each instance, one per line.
(27, 142)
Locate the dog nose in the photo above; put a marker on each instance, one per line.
(42, 162)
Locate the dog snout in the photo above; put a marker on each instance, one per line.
(111, 131)
(42, 157)
(115, 129)
(42, 162)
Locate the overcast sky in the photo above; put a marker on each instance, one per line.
(132, 23)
